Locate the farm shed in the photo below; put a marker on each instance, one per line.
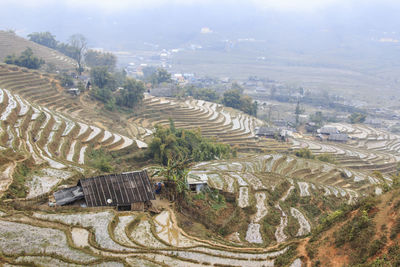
(339, 137)
(328, 130)
(126, 191)
(268, 132)
(197, 182)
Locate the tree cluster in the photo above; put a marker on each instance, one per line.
(357, 117)
(235, 99)
(26, 59)
(100, 59)
(115, 89)
(75, 48)
(171, 144)
(206, 94)
(156, 76)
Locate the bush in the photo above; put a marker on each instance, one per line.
(377, 245)
(304, 153)
(100, 160)
(26, 59)
(18, 189)
(171, 144)
(326, 158)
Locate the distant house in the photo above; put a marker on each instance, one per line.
(338, 137)
(74, 91)
(328, 130)
(311, 127)
(197, 183)
(268, 132)
(125, 191)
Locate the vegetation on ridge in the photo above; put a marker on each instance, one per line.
(180, 144)
(26, 59)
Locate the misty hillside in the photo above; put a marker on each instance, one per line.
(336, 47)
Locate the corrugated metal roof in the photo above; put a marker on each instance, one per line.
(267, 131)
(338, 137)
(328, 130)
(68, 195)
(117, 189)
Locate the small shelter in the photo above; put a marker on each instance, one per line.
(126, 191)
(268, 132)
(197, 183)
(328, 130)
(68, 195)
(338, 137)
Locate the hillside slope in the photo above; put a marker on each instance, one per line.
(367, 234)
(13, 44)
(49, 142)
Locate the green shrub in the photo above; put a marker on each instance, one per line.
(326, 158)
(304, 153)
(377, 245)
(100, 160)
(180, 144)
(18, 189)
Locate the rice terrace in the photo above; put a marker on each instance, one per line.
(179, 145)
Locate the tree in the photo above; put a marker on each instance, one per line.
(100, 59)
(101, 77)
(231, 98)
(26, 59)
(357, 117)
(317, 118)
(156, 76)
(131, 94)
(148, 72)
(78, 44)
(43, 38)
(206, 94)
(176, 173)
(298, 111)
(234, 99)
(173, 144)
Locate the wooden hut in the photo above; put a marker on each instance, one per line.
(125, 191)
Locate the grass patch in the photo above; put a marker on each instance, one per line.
(101, 160)
(18, 189)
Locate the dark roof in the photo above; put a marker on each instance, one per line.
(267, 131)
(117, 189)
(68, 195)
(338, 137)
(328, 130)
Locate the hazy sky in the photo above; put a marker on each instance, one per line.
(108, 21)
(120, 5)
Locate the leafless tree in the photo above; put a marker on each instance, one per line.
(79, 43)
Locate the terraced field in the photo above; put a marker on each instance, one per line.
(107, 238)
(294, 189)
(43, 89)
(369, 149)
(215, 121)
(49, 138)
(13, 44)
(37, 87)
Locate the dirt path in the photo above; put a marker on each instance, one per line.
(303, 252)
(6, 177)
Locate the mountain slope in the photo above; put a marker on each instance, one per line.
(13, 44)
(367, 234)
